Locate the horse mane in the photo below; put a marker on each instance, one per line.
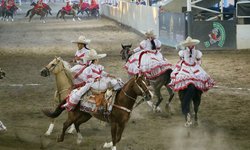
(67, 70)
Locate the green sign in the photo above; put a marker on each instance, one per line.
(216, 36)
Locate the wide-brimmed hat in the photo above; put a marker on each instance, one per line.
(150, 34)
(189, 42)
(92, 55)
(82, 39)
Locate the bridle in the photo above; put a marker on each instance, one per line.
(134, 99)
(50, 69)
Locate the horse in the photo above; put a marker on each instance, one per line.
(47, 7)
(9, 13)
(83, 9)
(2, 73)
(93, 11)
(119, 115)
(41, 12)
(191, 93)
(157, 83)
(64, 12)
(63, 76)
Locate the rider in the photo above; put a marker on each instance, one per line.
(9, 4)
(83, 5)
(81, 64)
(39, 5)
(68, 7)
(96, 79)
(2, 3)
(188, 70)
(93, 5)
(147, 58)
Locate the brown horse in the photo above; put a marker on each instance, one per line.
(119, 116)
(64, 83)
(157, 83)
(64, 12)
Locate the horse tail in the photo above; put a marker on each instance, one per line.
(57, 111)
(28, 13)
(58, 13)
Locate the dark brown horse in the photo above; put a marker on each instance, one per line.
(157, 83)
(191, 93)
(7, 13)
(40, 12)
(64, 12)
(119, 116)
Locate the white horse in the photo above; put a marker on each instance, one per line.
(64, 83)
(2, 127)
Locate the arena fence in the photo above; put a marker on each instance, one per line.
(172, 28)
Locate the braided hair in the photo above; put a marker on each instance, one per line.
(153, 44)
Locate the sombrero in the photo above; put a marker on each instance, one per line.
(92, 55)
(189, 42)
(82, 39)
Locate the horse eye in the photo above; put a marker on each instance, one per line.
(53, 65)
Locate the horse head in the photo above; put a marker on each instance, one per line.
(125, 52)
(75, 6)
(2, 73)
(33, 4)
(140, 87)
(55, 66)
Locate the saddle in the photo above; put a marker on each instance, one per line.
(98, 101)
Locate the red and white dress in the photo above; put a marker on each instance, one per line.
(146, 61)
(79, 67)
(97, 79)
(188, 71)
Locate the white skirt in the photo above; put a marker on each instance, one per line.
(148, 62)
(183, 75)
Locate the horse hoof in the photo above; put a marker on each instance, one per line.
(78, 141)
(47, 134)
(196, 124)
(108, 145)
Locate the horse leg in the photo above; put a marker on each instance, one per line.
(31, 16)
(160, 98)
(72, 117)
(196, 102)
(189, 94)
(79, 121)
(51, 127)
(74, 15)
(171, 96)
(114, 127)
(120, 129)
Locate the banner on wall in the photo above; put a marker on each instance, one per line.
(215, 34)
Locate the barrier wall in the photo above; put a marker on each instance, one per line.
(139, 17)
(243, 36)
(172, 28)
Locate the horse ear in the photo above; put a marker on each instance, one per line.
(122, 46)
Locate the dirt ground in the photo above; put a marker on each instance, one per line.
(26, 47)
